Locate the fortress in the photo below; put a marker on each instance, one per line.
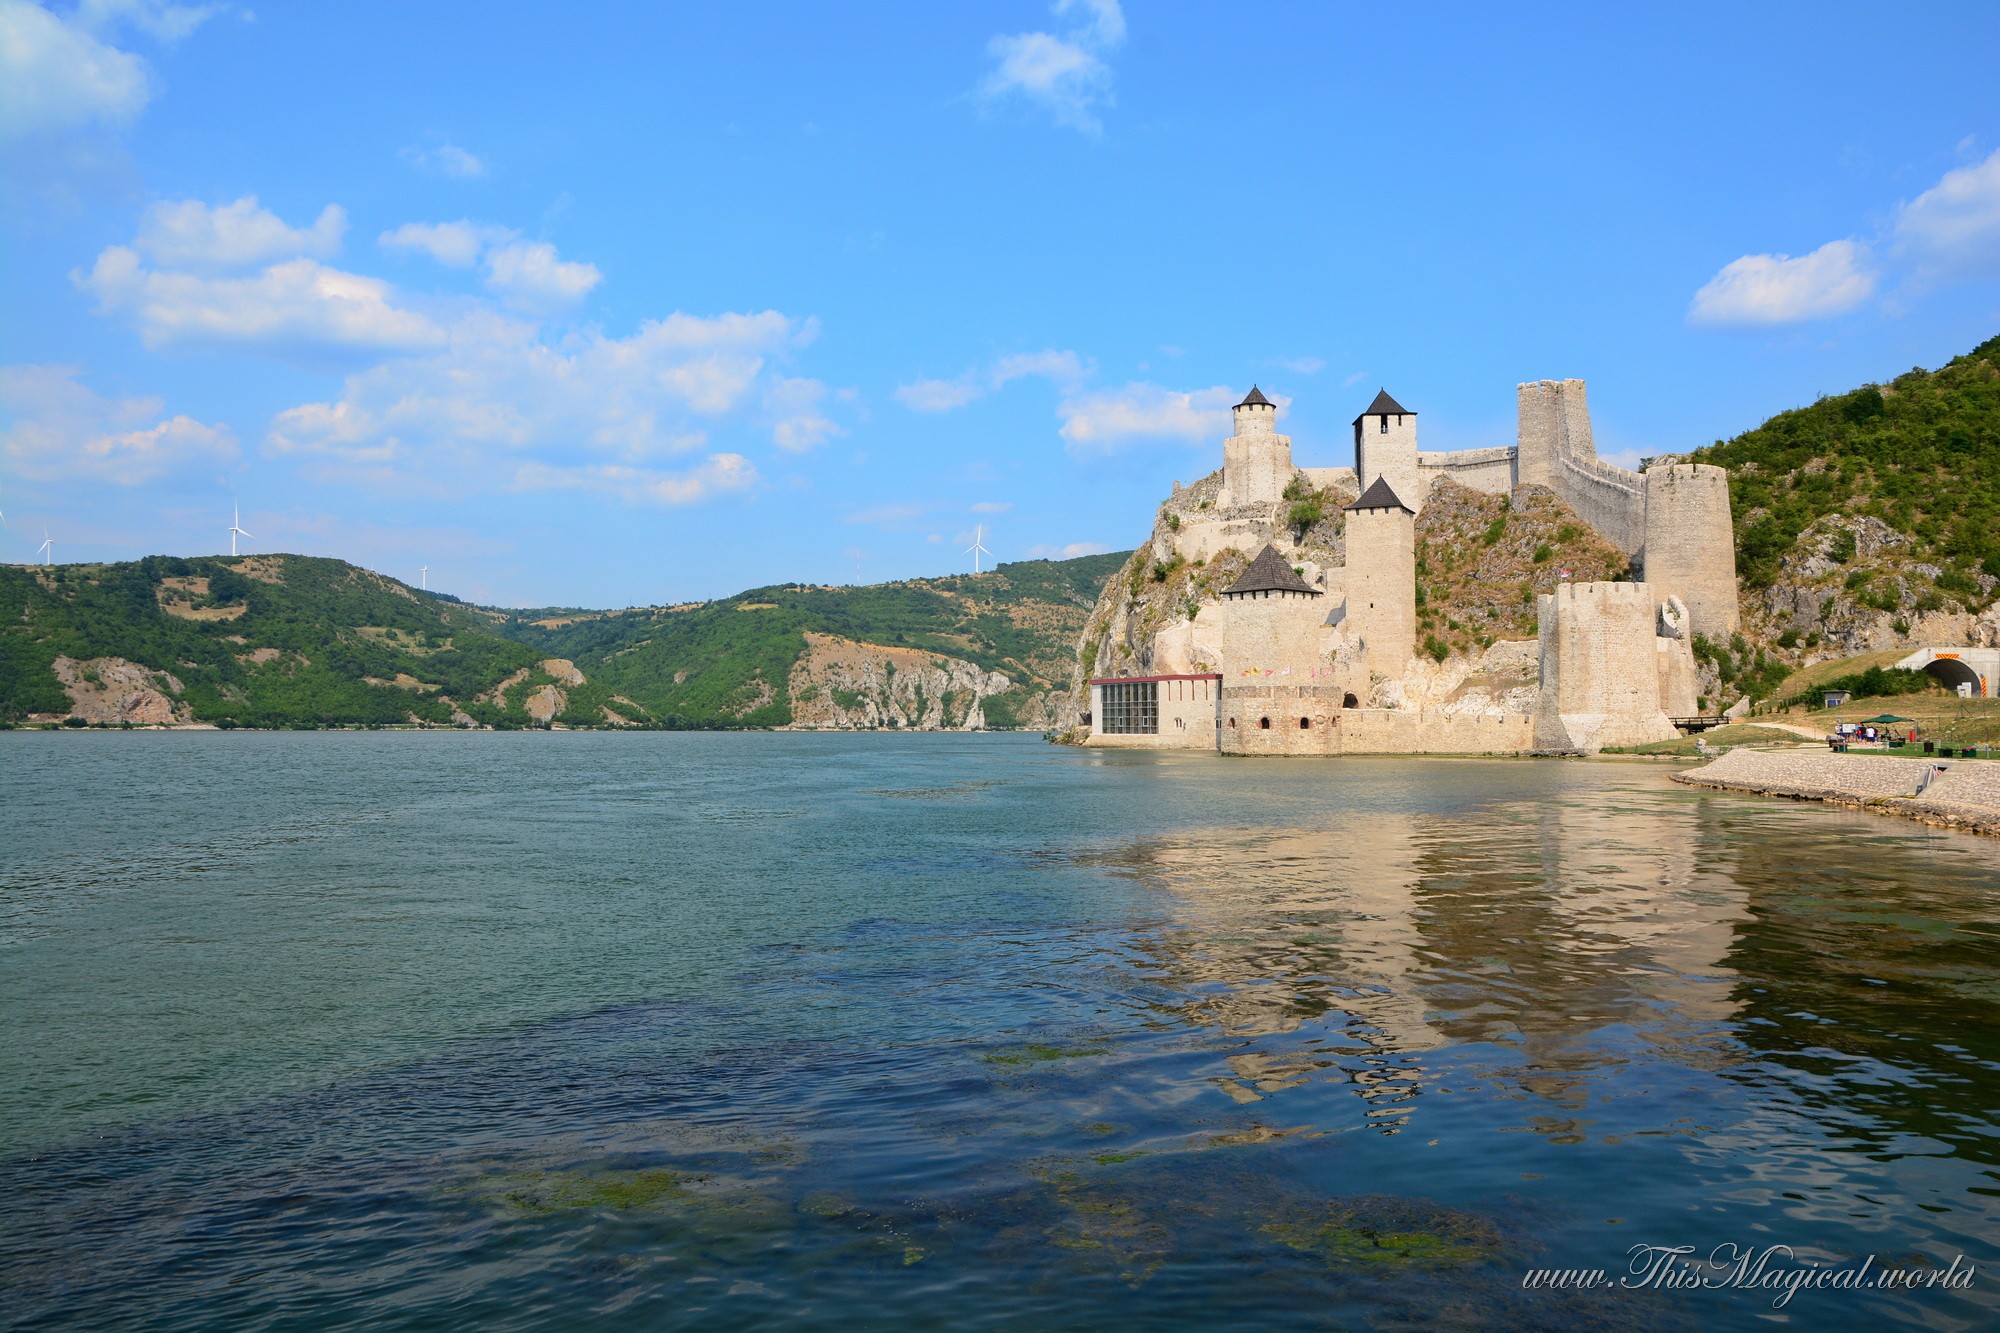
(1302, 656)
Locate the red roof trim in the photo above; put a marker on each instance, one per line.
(1141, 680)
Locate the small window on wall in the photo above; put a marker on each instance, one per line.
(1232, 721)
(1264, 722)
(1349, 701)
(1305, 724)
(1385, 425)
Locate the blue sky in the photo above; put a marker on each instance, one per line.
(608, 304)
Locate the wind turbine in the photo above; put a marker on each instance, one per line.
(235, 528)
(424, 578)
(977, 548)
(47, 549)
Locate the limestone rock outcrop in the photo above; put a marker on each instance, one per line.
(840, 683)
(114, 691)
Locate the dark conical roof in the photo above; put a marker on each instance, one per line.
(1255, 398)
(1381, 495)
(1269, 572)
(1385, 406)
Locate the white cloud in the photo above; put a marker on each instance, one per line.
(190, 234)
(1954, 226)
(801, 420)
(1065, 368)
(887, 516)
(991, 507)
(454, 244)
(1069, 552)
(589, 412)
(56, 77)
(1062, 367)
(298, 306)
(1064, 76)
(722, 473)
(529, 276)
(1107, 418)
(161, 20)
(1778, 289)
(938, 395)
(446, 160)
(59, 428)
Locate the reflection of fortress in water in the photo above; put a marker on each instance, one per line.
(1363, 949)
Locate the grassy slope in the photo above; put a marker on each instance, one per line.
(728, 661)
(1921, 453)
(334, 626)
(312, 615)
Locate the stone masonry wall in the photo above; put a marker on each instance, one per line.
(1690, 547)
(1333, 730)
(1382, 587)
(1600, 669)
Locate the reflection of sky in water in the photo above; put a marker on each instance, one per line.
(961, 1031)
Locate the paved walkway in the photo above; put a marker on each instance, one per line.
(1955, 793)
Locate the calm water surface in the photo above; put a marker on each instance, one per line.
(705, 1031)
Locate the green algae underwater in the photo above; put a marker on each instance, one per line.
(778, 1030)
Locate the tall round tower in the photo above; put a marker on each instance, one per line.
(1256, 460)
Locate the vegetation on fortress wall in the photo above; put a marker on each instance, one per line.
(1921, 453)
(1482, 560)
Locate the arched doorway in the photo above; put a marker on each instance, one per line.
(1264, 722)
(1349, 701)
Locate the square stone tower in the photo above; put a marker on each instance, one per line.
(1382, 579)
(1385, 446)
(1256, 460)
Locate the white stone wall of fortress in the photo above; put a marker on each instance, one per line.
(1488, 470)
(1690, 544)
(1599, 667)
(1382, 587)
(1285, 636)
(1392, 454)
(1555, 448)
(1333, 730)
(1188, 712)
(1256, 467)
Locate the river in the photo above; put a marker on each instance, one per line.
(532, 1030)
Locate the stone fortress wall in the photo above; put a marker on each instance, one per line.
(1324, 670)
(1600, 668)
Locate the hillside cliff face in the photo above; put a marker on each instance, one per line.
(290, 641)
(838, 683)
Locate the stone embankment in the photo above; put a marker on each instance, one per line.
(1952, 793)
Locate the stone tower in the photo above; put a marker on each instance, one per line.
(1554, 418)
(1256, 460)
(1382, 578)
(1385, 446)
(1600, 669)
(1690, 550)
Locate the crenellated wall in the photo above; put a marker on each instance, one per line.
(1487, 470)
(1600, 669)
(1256, 460)
(1690, 546)
(1554, 448)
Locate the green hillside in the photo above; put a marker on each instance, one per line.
(290, 641)
(1921, 453)
(729, 659)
